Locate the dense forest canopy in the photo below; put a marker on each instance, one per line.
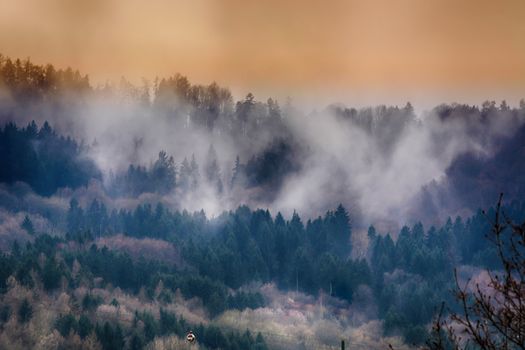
(139, 213)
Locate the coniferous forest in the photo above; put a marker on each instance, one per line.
(130, 215)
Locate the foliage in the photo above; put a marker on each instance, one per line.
(43, 159)
(25, 311)
(492, 315)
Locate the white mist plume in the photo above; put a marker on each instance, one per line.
(377, 174)
(347, 164)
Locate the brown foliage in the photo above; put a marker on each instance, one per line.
(150, 249)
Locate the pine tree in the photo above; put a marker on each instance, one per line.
(239, 178)
(195, 176)
(136, 343)
(51, 275)
(84, 326)
(260, 344)
(25, 311)
(185, 175)
(118, 338)
(212, 169)
(27, 225)
(163, 173)
(75, 217)
(235, 172)
(342, 224)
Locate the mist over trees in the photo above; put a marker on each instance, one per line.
(131, 215)
(43, 159)
(122, 128)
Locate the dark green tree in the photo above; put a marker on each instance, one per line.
(27, 225)
(25, 311)
(85, 327)
(51, 274)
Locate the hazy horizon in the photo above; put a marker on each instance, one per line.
(354, 52)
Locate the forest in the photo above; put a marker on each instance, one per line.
(194, 212)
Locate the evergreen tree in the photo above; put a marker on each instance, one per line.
(260, 343)
(212, 169)
(185, 174)
(163, 173)
(274, 111)
(195, 176)
(136, 342)
(27, 225)
(75, 217)
(5, 313)
(15, 249)
(97, 217)
(85, 327)
(66, 324)
(25, 311)
(51, 275)
(235, 172)
(341, 224)
(372, 233)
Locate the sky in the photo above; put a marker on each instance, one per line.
(355, 51)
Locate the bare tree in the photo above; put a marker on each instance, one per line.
(492, 316)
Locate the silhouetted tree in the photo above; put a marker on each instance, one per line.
(184, 182)
(195, 175)
(27, 225)
(492, 316)
(212, 170)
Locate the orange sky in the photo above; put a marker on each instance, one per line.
(355, 49)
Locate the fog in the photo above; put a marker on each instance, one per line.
(351, 165)
(380, 162)
(378, 174)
